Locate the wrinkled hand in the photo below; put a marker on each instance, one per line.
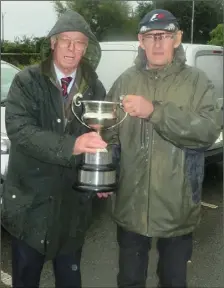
(104, 195)
(88, 143)
(137, 106)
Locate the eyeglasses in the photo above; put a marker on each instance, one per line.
(159, 36)
(78, 44)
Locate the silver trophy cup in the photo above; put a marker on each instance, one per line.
(97, 173)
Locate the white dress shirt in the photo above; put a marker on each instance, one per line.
(60, 75)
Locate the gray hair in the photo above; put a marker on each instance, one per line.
(54, 37)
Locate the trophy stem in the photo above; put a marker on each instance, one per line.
(98, 131)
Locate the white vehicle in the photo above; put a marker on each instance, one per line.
(8, 72)
(118, 56)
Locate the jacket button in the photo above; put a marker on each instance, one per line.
(42, 241)
(13, 196)
(59, 120)
(74, 267)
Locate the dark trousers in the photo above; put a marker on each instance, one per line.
(27, 266)
(133, 259)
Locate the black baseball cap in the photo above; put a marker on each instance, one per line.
(158, 19)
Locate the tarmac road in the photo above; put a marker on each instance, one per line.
(99, 263)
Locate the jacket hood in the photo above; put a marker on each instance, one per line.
(178, 60)
(72, 21)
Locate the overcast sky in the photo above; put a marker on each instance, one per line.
(30, 18)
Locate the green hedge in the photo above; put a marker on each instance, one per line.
(21, 60)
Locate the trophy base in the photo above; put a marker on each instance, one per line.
(96, 178)
(94, 189)
(96, 174)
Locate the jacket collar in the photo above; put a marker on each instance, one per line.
(177, 64)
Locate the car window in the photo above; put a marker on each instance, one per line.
(8, 73)
(212, 65)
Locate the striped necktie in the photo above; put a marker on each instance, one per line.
(64, 84)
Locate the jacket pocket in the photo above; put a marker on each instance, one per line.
(194, 165)
(14, 209)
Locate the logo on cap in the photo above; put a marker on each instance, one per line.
(144, 29)
(170, 27)
(157, 17)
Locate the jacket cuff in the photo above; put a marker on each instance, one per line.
(156, 105)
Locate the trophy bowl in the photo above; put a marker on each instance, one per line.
(100, 115)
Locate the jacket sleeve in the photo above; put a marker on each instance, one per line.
(24, 132)
(112, 135)
(193, 126)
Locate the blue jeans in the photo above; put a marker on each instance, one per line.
(133, 259)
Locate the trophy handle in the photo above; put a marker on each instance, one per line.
(121, 107)
(77, 103)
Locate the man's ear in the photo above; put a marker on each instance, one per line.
(53, 42)
(178, 38)
(140, 39)
(84, 51)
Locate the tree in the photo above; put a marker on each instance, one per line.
(108, 19)
(217, 36)
(207, 15)
(143, 8)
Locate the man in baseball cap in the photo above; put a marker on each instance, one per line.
(172, 120)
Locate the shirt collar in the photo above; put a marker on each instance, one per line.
(60, 75)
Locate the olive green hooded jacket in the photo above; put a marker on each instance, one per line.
(162, 158)
(39, 204)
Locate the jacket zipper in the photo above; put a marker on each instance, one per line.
(142, 135)
(150, 162)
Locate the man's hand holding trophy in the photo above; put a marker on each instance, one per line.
(89, 143)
